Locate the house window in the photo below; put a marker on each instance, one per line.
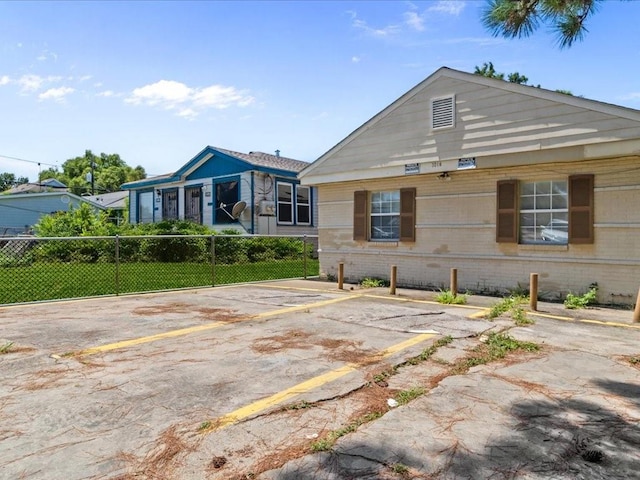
(388, 215)
(385, 215)
(227, 195)
(544, 210)
(285, 203)
(549, 212)
(145, 207)
(303, 205)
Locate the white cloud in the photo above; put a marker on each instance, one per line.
(355, 59)
(4, 80)
(56, 94)
(106, 93)
(631, 96)
(414, 20)
(450, 7)
(30, 83)
(374, 32)
(188, 101)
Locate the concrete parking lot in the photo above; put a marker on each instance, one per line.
(298, 379)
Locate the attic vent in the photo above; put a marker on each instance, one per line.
(443, 112)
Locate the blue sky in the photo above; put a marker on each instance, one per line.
(156, 82)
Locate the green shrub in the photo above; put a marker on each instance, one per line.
(447, 297)
(581, 301)
(373, 282)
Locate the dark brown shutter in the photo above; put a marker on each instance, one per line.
(360, 215)
(507, 214)
(581, 209)
(407, 214)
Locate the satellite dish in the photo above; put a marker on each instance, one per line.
(236, 210)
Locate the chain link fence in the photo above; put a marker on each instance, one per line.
(33, 269)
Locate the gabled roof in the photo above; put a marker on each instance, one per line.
(115, 200)
(43, 185)
(260, 160)
(63, 195)
(493, 127)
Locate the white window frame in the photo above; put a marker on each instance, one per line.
(384, 216)
(300, 204)
(282, 204)
(546, 204)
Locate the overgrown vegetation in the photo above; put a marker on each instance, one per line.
(6, 348)
(582, 301)
(327, 442)
(496, 347)
(373, 282)
(405, 396)
(449, 298)
(514, 307)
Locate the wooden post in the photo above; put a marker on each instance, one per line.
(394, 275)
(454, 281)
(533, 291)
(636, 312)
(341, 275)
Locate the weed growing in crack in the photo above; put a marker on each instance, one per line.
(581, 301)
(204, 426)
(400, 469)
(634, 360)
(301, 405)
(327, 443)
(449, 298)
(512, 305)
(405, 396)
(6, 348)
(496, 347)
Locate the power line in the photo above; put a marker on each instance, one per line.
(28, 161)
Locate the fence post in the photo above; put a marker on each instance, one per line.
(117, 246)
(213, 260)
(340, 275)
(533, 291)
(304, 255)
(394, 276)
(453, 281)
(636, 312)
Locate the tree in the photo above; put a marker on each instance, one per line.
(487, 70)
(520, 18)
(91, 174)
(8, 180)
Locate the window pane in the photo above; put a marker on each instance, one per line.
(145, 207)
(543, 212)
(385, 215)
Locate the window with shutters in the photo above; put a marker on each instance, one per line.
(556, 212)
(384, 216)
(443, 114)
(544, 208)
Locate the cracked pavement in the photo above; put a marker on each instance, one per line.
(245, 381)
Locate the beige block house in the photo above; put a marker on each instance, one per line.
(496, 179)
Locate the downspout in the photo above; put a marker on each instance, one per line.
(253, 203)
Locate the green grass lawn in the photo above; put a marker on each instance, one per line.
(49, 281)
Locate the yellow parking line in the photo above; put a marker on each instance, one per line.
(201, 328)
(307, 386)
(585, 320)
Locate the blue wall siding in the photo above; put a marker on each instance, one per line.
(16, 212)
(218, 166)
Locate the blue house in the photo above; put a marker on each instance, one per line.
(251, 192)
(19, 212)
